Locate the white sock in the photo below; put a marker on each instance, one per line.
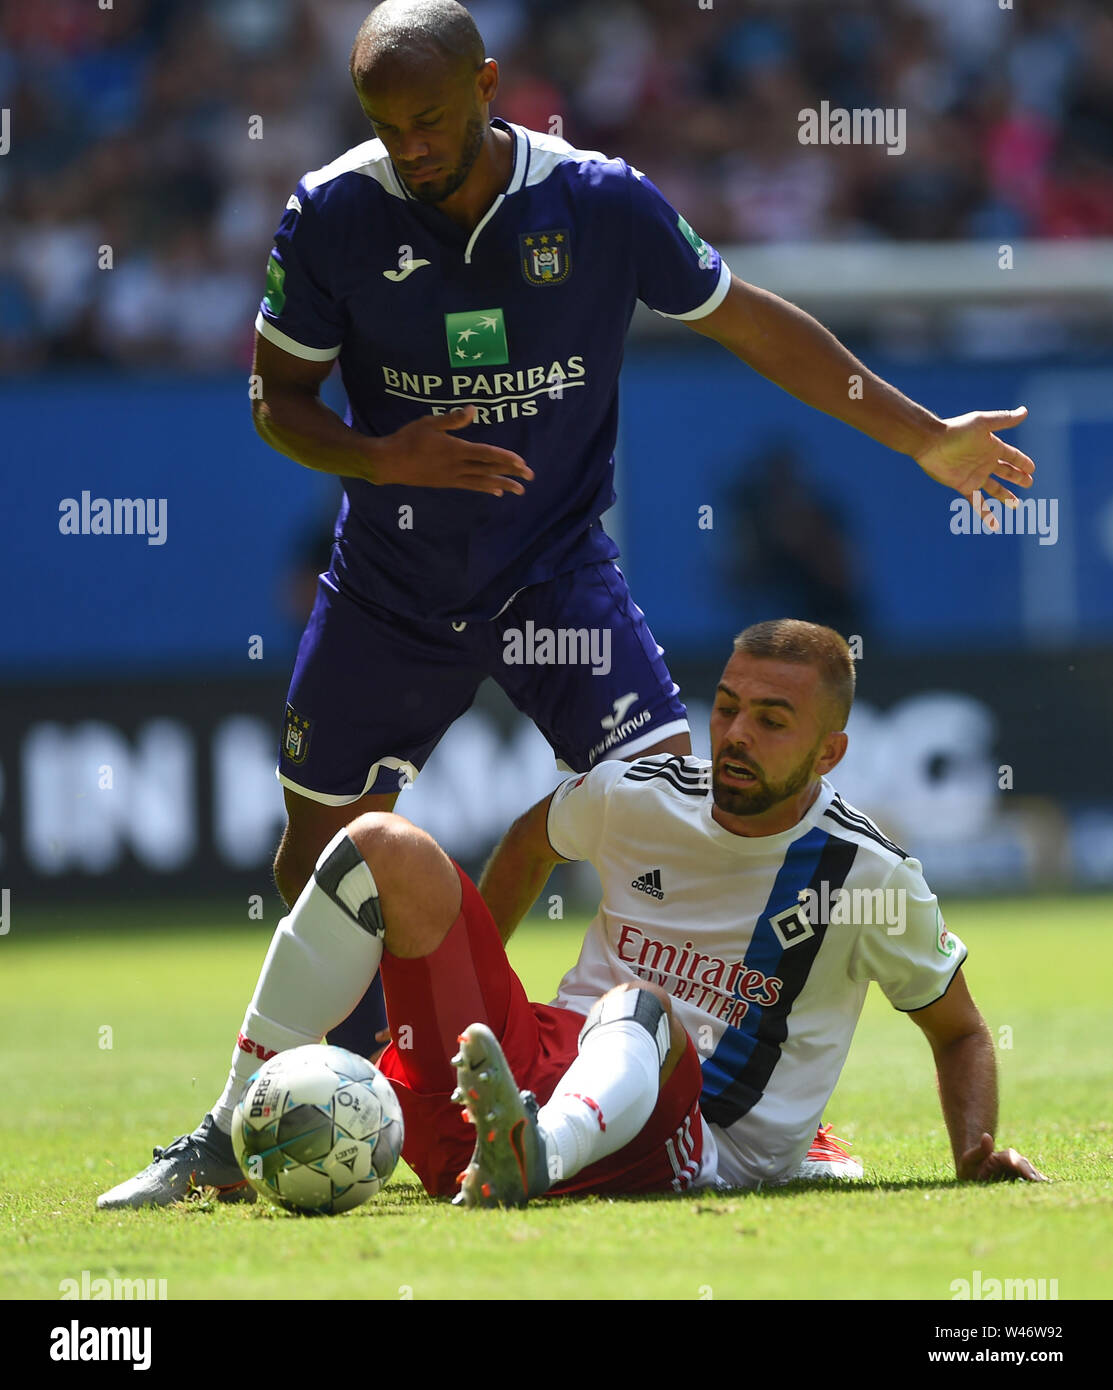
(604, 1098)
(322, 957)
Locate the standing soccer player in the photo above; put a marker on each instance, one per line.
(475, 281)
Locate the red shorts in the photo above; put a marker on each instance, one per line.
(430, 1000)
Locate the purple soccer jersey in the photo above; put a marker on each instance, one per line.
(525, 318)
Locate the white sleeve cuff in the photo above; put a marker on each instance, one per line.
(709, 305)
(267, 330)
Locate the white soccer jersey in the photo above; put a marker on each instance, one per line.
(767, 944)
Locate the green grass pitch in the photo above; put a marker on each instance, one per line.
(83, 1107)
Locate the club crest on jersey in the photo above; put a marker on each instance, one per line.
(295, 736)
(792, 926)
(546, 256)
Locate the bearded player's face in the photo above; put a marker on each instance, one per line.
(770, 734)
(431, 121)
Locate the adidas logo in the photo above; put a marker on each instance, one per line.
(649, 882)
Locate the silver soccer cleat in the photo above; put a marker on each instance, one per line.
(201, 1159)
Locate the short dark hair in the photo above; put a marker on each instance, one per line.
(414, 29)
(790, 639)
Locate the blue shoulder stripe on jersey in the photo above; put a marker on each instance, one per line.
(738, 1071)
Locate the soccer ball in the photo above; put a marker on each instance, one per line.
(319, 1129)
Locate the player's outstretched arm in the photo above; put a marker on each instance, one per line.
(291, 417)
(795, 351)
(517, 871)
(966, 1066)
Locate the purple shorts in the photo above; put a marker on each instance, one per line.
(373, 693)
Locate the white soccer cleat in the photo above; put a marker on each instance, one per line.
(828, 1158)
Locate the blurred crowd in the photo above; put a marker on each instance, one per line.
(136, 212)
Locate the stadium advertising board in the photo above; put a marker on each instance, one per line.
(170, 787)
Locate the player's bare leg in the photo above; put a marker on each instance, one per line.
(310, 825)
(418, 886)
(380, 883)
(629, 1047)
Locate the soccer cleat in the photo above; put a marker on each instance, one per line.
(828, 1158)
(201, 1159)
(509, 1165)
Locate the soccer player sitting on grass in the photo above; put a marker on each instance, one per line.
(734, 913)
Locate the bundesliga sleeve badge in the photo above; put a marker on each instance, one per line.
(546, 256)
(945, 944)
(275, 297)
(295, 736)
